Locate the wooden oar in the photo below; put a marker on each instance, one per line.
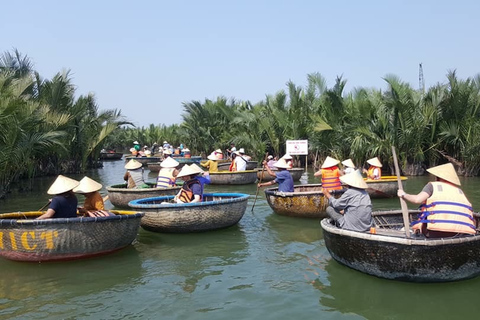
(44, 206)
(403, 204)
(260, 181)
(105, 198)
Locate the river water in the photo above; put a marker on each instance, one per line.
(266, 267)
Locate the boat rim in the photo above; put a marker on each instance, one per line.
(238, 197)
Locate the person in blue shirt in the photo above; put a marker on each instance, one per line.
(192, 189)
(282, 176)
(64, 203)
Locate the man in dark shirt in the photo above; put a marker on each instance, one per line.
(64, 204)
(283, 177)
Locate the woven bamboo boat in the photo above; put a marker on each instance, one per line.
(216, 211)
(251, 165)
(143, 160)
(111, 155)
(306, 201)
(235, 177)
(25, 239)
(155, 166)
(389, 254)
(296, 174)
(386, 187)
(120, 196)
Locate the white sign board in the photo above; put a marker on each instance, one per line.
(297, 147)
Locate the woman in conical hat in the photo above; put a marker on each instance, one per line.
(64, 203)
(93, 200)
(211, 164)
(374, 172)
(192, 190)
(349, 166)
(330, 174)
(353, 210)
(167, 175)
(446, 210)
(134, 175)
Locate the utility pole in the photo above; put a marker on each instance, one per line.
(421, 81)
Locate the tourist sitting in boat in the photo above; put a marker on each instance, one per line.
(168, 173)
(330, 174)
(233, 164)
(283, 177)
(192, 189)
(348, 166)
(203, 176)
(289, 160)
(64, 203)
(134, 175)
(231, 151)
(166, 145)
(211, 164)
(374, 172)
(446, 210)
(240, 161)
(353, 210)
(136, 146)
(219, 154)
(93, 205)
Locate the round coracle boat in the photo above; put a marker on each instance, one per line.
(265, 176)
(251, 165)
(387, 253)
(22, 238)
(386, 187)
(233, 177)
(306, 201)
(111, 155)
(120, 196)
(155, 166)
(143, 160)
(216, 211)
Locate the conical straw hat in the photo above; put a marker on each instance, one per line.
(281, 163)
(87, 185)
(287, 157)
(187, 171)
(375, 162)
(62, 184)
(218, 151)
(354, 179)
(445, 172)
(330, 162)
(167, 151)
(348, 163)
(212, 157)
(133, 164)
(169, 163)
(196, 168)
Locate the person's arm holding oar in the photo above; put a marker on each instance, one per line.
(260, 181)
(403, 204)
(270, 172)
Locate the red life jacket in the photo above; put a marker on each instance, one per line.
(331, 178)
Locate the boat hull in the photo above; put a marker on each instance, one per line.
(265, 176)
(144, 160)
(155, 166)
(251, 165)
(220, 210)
(111, 155)
(306, 201)
(386, 187)
(395, 257)
(235, 177)
(27, 239)
(120, 196)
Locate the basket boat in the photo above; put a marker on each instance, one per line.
(251, 165)
(389, 254)
(120, 196)
(111, 155)
(216, 211)
(155, 166)
(22, 238)
(233, 177)
(386, 187)
(296, 174)
(306, 201)
(144, 160)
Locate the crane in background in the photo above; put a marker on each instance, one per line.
(421, 81)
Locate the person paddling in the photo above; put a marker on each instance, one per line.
(283, 177)
(64, 203)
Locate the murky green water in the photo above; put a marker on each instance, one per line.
(266, 267)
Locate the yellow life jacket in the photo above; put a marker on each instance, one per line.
(186, 194)
(331, 178)
(447, 210)
(165, 178)
(371, 175)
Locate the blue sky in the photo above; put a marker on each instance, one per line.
(148, 57)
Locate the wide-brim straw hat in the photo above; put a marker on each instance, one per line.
(169, 163)
(281, 163)
(62, 184)
(375, 162)
(196, 168)
(218, 151)
(167, 151)
(135, 142)
(133, 164)
(348, 163)
(165, 141)
(187, 171)
(330, 162)
(354, 179)
(287, 157)
(87, 185)
(212, 157)
(446, 172)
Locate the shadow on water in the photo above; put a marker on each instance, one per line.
(55, 283)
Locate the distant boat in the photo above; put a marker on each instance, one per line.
(386, 187)
(120, 196)
(111, 155)
(143, 160)
(233, 177)
(155, 166)
(251, 165)
(265, 176)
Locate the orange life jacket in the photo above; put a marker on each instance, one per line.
(330, 178)
(186, 194)
(165, 178)
(447, 210)
(233, 166)
(370, 173)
